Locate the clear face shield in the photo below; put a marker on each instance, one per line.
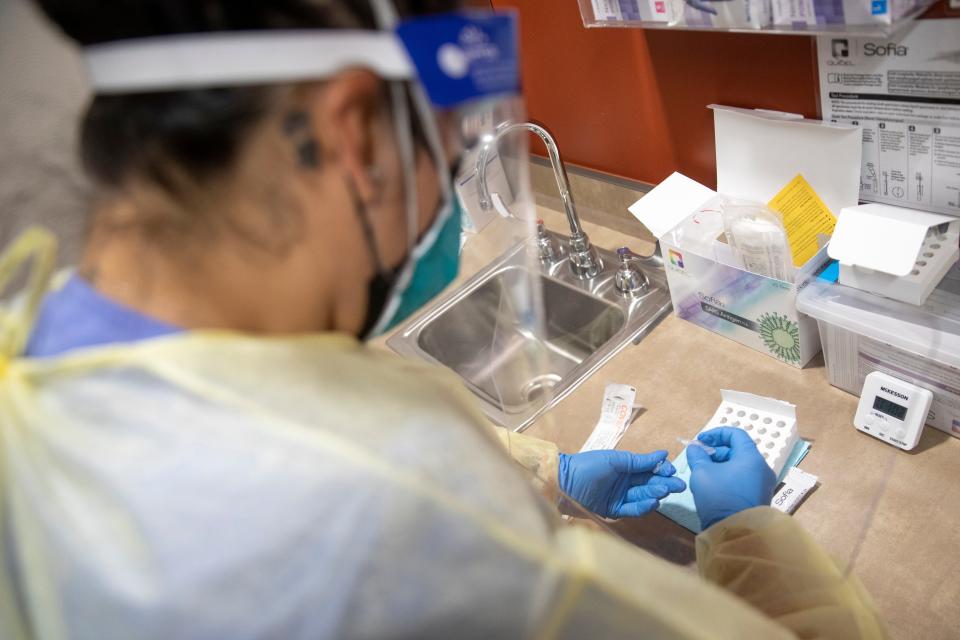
(489, 325)
(454, 99)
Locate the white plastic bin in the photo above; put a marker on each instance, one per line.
(862, 332)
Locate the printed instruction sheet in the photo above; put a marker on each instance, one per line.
(905, 93)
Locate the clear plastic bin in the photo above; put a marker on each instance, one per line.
(863, 332)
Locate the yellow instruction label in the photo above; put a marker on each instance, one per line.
(805, 217)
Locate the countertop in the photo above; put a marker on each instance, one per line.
(890, 516)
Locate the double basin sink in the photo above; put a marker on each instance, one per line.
(517, 370)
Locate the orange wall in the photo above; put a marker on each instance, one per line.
(633, 101)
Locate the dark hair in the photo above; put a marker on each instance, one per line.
(196, 133)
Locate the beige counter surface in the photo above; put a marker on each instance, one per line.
(905, 555)
(893, 516)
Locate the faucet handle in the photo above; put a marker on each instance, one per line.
(546, 249)
(629, 280)
(653, 260)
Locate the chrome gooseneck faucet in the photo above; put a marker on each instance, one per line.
(584, 260)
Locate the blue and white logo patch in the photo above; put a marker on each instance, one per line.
(464, 56)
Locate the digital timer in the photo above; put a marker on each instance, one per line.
(892, 410)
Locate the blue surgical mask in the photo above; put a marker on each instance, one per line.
(435, 268)
(394, 296)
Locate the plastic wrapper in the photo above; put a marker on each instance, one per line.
(864, 17)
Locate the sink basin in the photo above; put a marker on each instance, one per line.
(586, 323)
(494, 360)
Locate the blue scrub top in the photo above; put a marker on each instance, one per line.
(77, 315)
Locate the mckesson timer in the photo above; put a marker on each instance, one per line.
(892, 410)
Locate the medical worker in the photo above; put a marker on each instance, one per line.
(194, 442)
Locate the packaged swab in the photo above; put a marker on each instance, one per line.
(757, 238)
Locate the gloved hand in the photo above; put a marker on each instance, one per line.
(618, 484)
(735, 478)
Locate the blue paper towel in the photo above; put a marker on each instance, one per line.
(680, 507)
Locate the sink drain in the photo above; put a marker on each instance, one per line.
(537, 388)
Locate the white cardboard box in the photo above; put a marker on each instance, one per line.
(758, 153)
(896, 252)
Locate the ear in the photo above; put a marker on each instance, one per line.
(344, 111)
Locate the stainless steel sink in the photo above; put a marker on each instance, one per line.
(494, 360)
(587, 322)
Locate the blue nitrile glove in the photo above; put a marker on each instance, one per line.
(734, 478)
(618, 484)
